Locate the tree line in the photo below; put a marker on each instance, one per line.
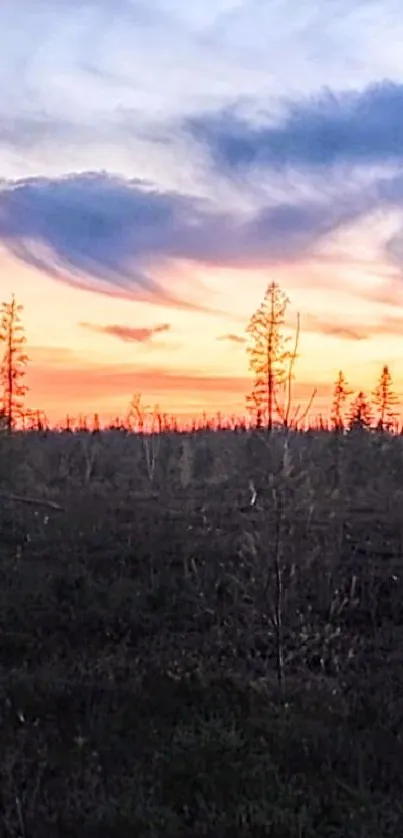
(272, 357)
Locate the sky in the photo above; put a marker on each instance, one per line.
(162, 162)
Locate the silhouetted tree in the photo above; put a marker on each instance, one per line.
(267, 351)
(385, 399)
(13, 362)
(68, 425)
(340, 394)
(137, 413)
(360, 417)
(157, 423)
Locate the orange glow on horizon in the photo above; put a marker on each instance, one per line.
(190, 367)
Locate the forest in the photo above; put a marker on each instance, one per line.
(201, 627)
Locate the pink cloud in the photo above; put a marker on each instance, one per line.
(128, 334)
(355, 330)
(232, 338)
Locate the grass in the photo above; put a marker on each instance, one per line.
(139, 636)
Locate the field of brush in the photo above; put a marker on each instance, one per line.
(176, 660)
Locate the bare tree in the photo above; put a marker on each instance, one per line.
(341, 393)
(291, 417)
(385, 399)
(13, 362)
(137, 413)
(267, 351)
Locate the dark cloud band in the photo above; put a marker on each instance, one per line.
(361, 127)
(115, 236)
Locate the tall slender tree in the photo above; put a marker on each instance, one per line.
(341, 392)
(268, 354)
(385, 399)
(13, 362)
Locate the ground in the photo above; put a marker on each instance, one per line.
(177, 662)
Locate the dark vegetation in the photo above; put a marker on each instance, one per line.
(206, 639)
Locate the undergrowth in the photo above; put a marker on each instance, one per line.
(204, 639)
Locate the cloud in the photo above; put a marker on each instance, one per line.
(232, 338)
(364, 127)
(100, 232)
(345, 331)
(386, 325)
(75, 59)
(128, 334)
(72, 75)
(104, 233)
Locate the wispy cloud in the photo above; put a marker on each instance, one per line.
(357, 331)
(344, 331)
(128, 334)
(231, 338)
(104, 233)
(60, 55)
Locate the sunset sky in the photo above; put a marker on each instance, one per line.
(162, 161)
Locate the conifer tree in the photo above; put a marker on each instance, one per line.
(268, 355)
(385, 399)
(360, 417)
(13, 362)
(340, 394)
